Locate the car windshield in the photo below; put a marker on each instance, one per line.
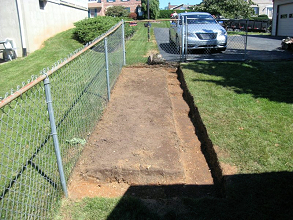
(199, 19)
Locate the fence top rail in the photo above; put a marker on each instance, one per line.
(135, 21)
(47, 72)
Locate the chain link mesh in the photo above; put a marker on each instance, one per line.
(30, 181)
(211, 41)
(29, 178)
(179, 41)
(115, 50)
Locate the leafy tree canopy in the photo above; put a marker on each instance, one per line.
(153, 7)
(227, 8)
(117, 11)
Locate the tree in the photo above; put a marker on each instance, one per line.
(153, 8)
(117, 11)
(227, 8)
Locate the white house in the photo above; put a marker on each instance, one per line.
(263, 7)
(283, 18)
(30, 22)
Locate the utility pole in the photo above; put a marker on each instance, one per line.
(148, 21)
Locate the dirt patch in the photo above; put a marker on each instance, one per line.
(145, 137)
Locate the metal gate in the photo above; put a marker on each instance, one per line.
(202, 38)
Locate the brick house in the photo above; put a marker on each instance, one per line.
(99, 7)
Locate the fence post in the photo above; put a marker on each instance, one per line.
(54, 134)
(245, 41)
(107, 67)
(123, 43)
(182, 38)
(186, 39)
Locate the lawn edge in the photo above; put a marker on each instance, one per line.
(207, 146)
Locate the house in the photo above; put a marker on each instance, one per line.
(99, 7)
(28, 23)
(282, 24)
(263, 7)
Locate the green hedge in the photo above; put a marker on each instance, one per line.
(260, 18)
(88, 29)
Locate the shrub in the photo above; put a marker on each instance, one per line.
(88, 29)
(133, 16)
(260, 18)
(117, 11)
(263, 16)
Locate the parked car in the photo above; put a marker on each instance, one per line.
(202, 31)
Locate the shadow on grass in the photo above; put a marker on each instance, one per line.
(249, 196)
(271, 80)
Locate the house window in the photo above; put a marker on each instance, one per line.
(283, 16)
(256, 10)
(42, 4)
(93, 12)
(125, 0)
(127, 9)
(111, 0)
(270, 12)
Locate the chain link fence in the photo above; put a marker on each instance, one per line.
(45, 124)
(188, 39)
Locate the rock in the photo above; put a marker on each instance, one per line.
(155, 59)
(287, 43)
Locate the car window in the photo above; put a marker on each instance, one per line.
(198, 19)
(201, 21)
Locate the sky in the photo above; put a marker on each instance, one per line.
(164, 3)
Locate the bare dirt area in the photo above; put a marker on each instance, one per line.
(145, 138)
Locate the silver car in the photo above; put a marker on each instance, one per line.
(200, 31)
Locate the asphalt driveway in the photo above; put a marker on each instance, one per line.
(264, 47)
(259, 47)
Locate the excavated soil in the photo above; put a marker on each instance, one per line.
(145, 138)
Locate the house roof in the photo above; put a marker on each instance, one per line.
(170, 7)
(177, 7)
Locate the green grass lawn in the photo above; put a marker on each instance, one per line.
(103, 208)
(247, 109)
(138, 48)
(15, 72)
